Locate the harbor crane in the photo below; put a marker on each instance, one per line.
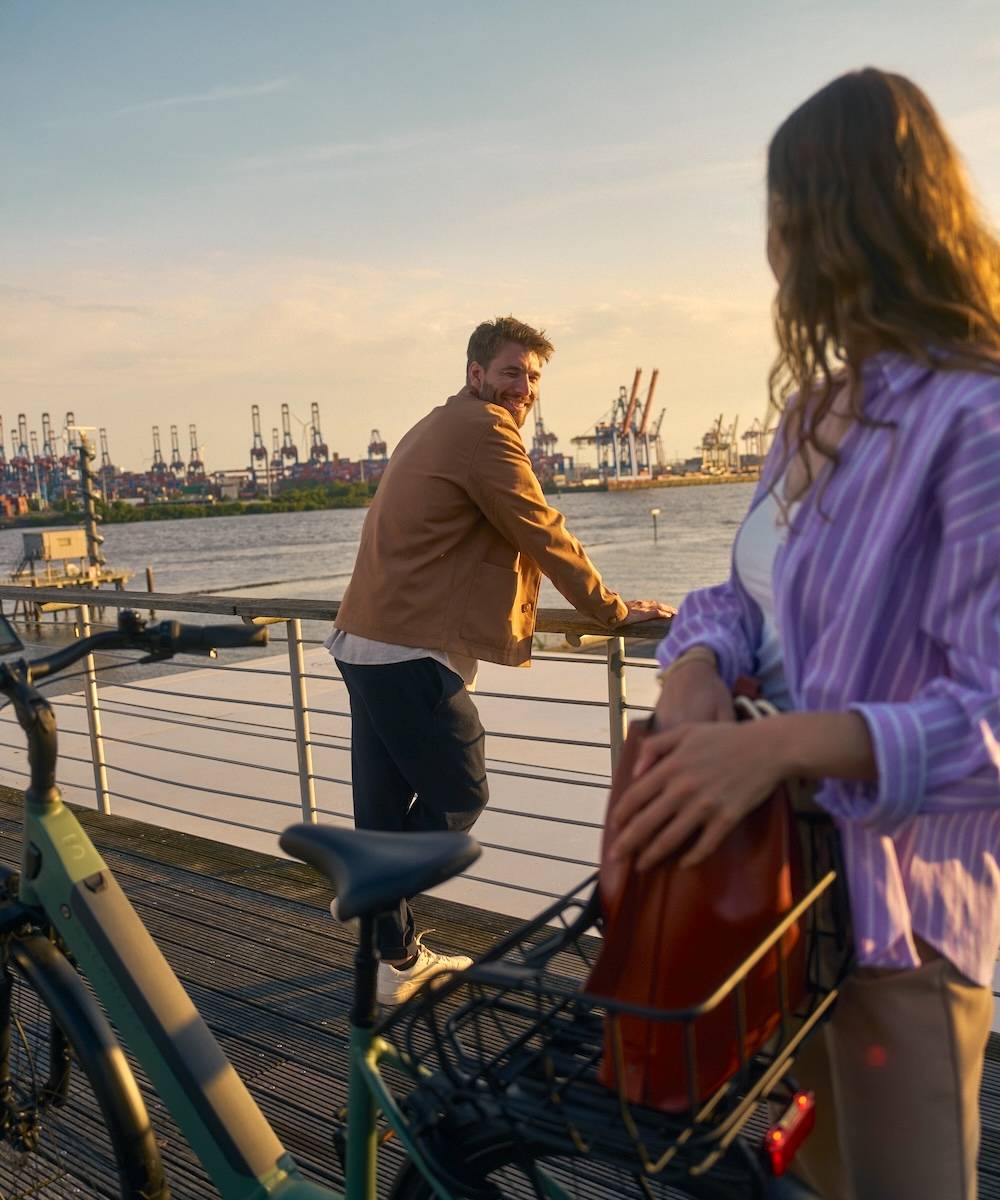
(3, 452)
(258, 451)
(720, 448)
(107, 470)
(158, 466)
(176, 461)
(49, 457)
(604, 436)
(195, 467)
(289, 450)
(640, 438)
(277, 462)
(648, 408)
(106, 467)
(70, 460)
(25, 447)
(22, 437)
(377, 448)
(757, 439)
(543, 443)
(654, 437)
(712, 447)
(632, 400)
(733, 447)
(753, 439)
(624, 440)
(48, 460)
(41, 489)
(543, 454)
(318, 451)
(21, 462)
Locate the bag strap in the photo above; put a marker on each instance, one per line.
(750, 705)
(753, 709)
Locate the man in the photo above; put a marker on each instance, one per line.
(448, 572)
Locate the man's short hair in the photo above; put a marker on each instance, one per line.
(486, 340)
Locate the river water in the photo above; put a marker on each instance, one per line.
(310, 554)
(237, 712)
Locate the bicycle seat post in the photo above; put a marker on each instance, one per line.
(365, 972)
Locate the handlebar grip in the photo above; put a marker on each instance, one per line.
(215, 637)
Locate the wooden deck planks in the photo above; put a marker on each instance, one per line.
(251, 939)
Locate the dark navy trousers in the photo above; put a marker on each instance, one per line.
(418, 762)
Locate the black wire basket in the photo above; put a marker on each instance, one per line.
(516, 1042)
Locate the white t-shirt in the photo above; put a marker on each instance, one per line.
(757, 543)
(361, 651)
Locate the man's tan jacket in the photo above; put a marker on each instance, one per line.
(455, 540)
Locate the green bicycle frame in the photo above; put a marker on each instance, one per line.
(63, 874)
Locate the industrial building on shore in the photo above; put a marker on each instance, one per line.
(41, 472)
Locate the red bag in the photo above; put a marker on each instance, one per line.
(673, 936)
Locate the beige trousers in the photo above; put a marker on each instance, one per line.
(896, 1073)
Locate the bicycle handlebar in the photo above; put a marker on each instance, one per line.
(164, 640)
(216, 637)
(160, 641)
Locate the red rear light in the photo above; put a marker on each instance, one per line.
(784, 1138)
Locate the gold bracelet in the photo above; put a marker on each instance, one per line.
(695, 654)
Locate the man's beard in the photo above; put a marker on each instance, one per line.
(489, 395)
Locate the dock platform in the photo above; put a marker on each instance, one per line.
(251, 939)
(95, 579)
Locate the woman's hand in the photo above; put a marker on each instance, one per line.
(704, 778)
(693, 692)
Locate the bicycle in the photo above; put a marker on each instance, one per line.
(65, 919)
(512, 1049)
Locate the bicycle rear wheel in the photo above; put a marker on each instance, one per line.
(72, 1121)
(494, 1163)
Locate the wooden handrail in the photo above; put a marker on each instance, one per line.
(549, 620)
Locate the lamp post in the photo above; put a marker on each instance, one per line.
(654, 513)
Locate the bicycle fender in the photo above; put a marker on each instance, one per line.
(46, 969)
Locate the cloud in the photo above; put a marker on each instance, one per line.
(333, 152)
(214, 95)
(741, 173)
(977, 129)
(629, 314)
(374, 347)
(48, 298)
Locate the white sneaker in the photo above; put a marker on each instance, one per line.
(396, 985)
(350, 922)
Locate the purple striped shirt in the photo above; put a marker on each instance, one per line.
(891, 607)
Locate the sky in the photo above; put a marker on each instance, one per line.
(211, 205)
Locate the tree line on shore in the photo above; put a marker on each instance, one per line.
(120, 512)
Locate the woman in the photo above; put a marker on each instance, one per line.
(865, 595)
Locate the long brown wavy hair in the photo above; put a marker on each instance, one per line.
(884, 245)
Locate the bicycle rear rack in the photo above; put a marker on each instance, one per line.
(517, 1042)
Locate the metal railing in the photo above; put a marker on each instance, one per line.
(577, 824)
(224, 740)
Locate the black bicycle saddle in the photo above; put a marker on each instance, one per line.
(371, 871)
